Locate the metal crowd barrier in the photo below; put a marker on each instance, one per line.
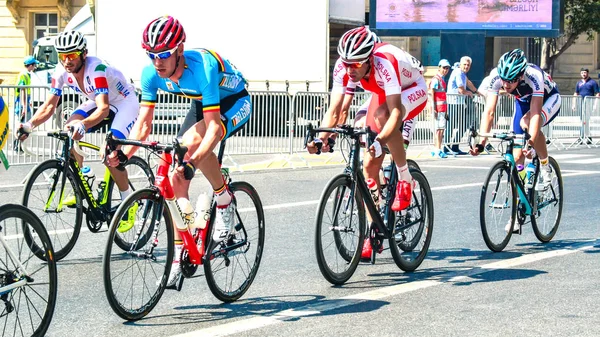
(279, 119)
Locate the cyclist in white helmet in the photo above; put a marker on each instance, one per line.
(395, 79)
(111, 102)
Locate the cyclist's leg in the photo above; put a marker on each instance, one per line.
(550, 110)
(521, 109)
(126, 114)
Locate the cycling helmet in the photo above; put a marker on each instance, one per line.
(357, 44)
(512, 65)
(163, 33)
(70, 41)
(29, 60)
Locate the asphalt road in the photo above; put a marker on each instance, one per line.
(461, 289)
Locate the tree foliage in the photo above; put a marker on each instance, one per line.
(581, 17)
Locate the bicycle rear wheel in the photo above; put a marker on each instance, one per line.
(27, 309)
(135, 279)
(340, 229)
(140, 176)
(547, 206)
(61, 214)
(233, 263)
(412, 232)
(498, 207)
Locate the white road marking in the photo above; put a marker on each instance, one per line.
(570, 155)
(582, 161)
(377, 294)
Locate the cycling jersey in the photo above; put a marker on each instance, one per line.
(208, 79)
(535, 83)
(98, 78)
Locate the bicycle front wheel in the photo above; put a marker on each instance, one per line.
(58, 207)
(340, 229)
(233, 263)
(498, 207)
(28, 306)
(547, 206)
(412, 232)
(135, 279)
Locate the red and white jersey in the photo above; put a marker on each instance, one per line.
(98, 78)
(392, 70)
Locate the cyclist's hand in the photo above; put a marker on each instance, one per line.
(76, 129)
(116, 158)
(475, 151)
(187, 170)
(23, 131)
(529, 151)
(376, 149)
(314, 146)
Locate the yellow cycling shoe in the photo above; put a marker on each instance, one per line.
(128, 219)
(70, 200)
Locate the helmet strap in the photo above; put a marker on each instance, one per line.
(177, 59)
(82, 63)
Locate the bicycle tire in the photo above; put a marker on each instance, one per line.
(405, 237)
(120, 238)
(497, 237)
(43, 279)
(64, 233)
(236, 261)
(132, 267)
(413, 164)
(356, 236)
(540, 198)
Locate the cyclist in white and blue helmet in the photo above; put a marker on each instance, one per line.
(537, 103)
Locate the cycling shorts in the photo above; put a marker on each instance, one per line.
(235, 113)
(550, 110)
(120, 119)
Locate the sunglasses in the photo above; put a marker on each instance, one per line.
(446, 67)
(161, 55)
(511, 81)
(354, 65)
(70, 56)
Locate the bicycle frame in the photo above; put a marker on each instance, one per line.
(521, 191)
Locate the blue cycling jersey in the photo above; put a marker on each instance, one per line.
(207, 77)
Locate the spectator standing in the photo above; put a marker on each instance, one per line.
(439, 106)
(22, 95)
(458, 88)
(585, 87)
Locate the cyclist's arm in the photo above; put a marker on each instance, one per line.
(334, 113)
(45, 111)
(487, 119)
(142, 127)
(102, 110)
(535, 117)
(394, 104)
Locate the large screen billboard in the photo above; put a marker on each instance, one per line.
(498, 17)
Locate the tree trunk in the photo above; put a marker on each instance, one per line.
(550, 51)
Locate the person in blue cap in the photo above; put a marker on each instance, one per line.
(439, 106)
(23, 95)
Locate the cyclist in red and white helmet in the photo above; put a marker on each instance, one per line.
(395, 79)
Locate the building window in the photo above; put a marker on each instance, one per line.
(45, 24)
(533, 50)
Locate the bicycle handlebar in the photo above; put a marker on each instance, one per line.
(62, 135)
(180, 150)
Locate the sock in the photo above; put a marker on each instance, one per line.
(178, 249)
(544, 162)
(404, 174)
(222, 196)
(126, 193)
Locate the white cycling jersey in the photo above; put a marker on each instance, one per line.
(536, 82)
(98, 78)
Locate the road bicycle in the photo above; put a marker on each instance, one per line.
(341, 219)
(28, 285)
(135, 279)
(505, 199)
(56, 188)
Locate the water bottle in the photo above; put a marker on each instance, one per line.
(202, 210)
(187, 211)
(521, 171)
(530, 172)
(89, 175)
(387, 173)
(372, 185)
